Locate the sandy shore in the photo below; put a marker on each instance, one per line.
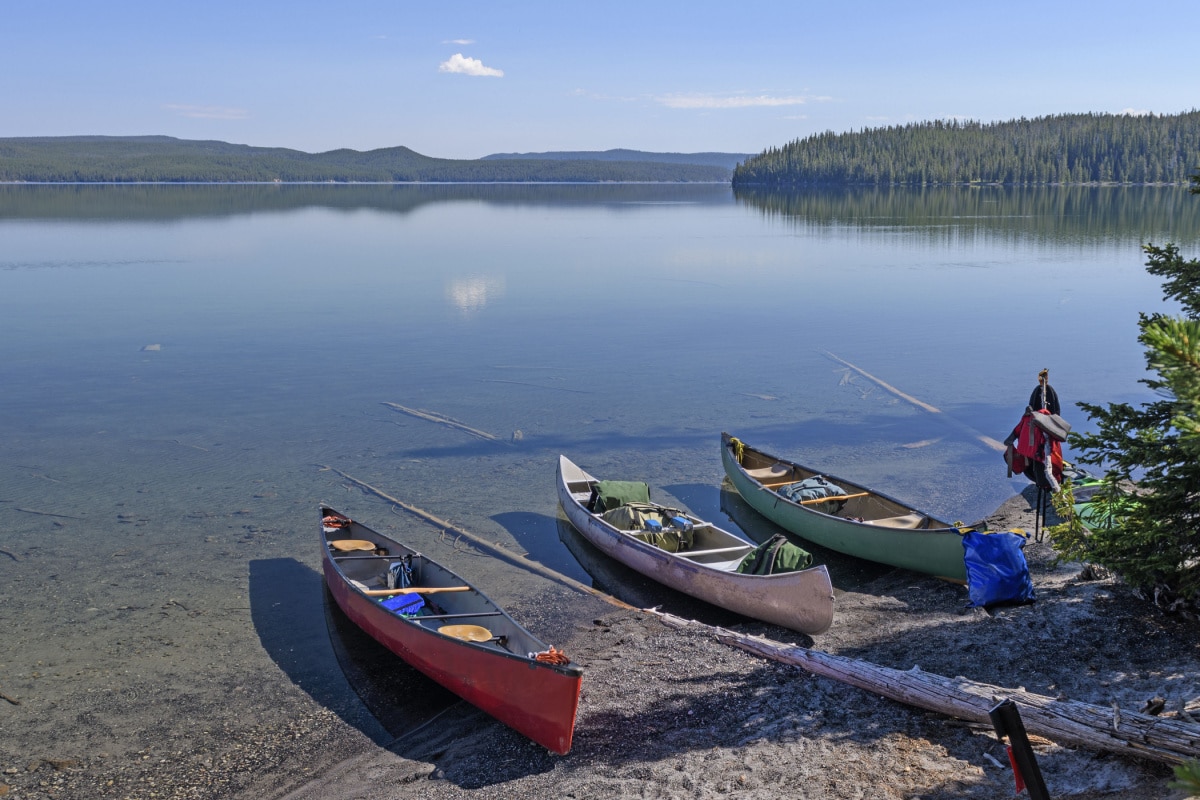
(664, 712)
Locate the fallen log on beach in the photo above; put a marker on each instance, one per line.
(1065, 722)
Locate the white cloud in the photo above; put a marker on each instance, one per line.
(710, 101)
(459, 41)
(208, 112)
(1134, 112)
(462, 65)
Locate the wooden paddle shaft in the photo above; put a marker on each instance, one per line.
(415, 590)
(834, 497)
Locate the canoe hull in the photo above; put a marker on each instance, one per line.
(935, 548)
(801, 600)
(535, 698)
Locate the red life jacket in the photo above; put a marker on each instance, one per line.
(1028, 445)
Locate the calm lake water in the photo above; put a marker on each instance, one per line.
(179, 365)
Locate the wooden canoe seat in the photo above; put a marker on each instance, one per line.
(771, 474)
(907, 522)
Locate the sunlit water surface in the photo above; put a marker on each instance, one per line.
(179, 366)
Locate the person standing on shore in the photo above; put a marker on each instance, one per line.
(1043, 395)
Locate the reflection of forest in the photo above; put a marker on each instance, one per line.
(1056, 213)
(173, 201)
(1094, 213)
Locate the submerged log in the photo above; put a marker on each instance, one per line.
(1066, 722)
(442, 419)
(986, 440)
(480, 543)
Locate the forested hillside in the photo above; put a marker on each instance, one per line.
(1069, 148)
(163, 159)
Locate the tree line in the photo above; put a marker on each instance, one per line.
(164, 159)
(1061, 149)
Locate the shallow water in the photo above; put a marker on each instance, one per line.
(179, 365)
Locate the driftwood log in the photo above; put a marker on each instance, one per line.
(442, 419)
(492, 548)
(986, 440)
(1065, 722)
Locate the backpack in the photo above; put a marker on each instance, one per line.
(814, 488)
(776, 555)
(607, 495)
(665, 528)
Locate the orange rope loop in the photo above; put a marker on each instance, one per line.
(552, 656)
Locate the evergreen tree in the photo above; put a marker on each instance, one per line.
(1154, 538)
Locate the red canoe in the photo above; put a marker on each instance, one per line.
(457, 637)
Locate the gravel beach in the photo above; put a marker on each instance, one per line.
(257, 704)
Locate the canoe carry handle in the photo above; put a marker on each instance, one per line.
(415, 590)
(832, 497)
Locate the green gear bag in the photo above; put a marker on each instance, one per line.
(774, 556)
(607, 495)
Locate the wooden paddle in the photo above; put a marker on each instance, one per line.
(415, 590)
(834, 497)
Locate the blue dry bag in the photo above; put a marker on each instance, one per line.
(404, 603)
(996, 568)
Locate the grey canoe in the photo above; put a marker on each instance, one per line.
(801, 601)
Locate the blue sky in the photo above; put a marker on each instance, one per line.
(465, 79)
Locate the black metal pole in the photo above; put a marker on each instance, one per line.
(1037, 515)
(1006, 719)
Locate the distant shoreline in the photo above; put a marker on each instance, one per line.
(746, 187)
(364, 183)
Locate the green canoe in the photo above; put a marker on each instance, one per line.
(859, 522)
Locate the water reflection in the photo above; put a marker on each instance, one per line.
(470, 295)
(165, 202)
(1107, 214)
(1043, 214)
